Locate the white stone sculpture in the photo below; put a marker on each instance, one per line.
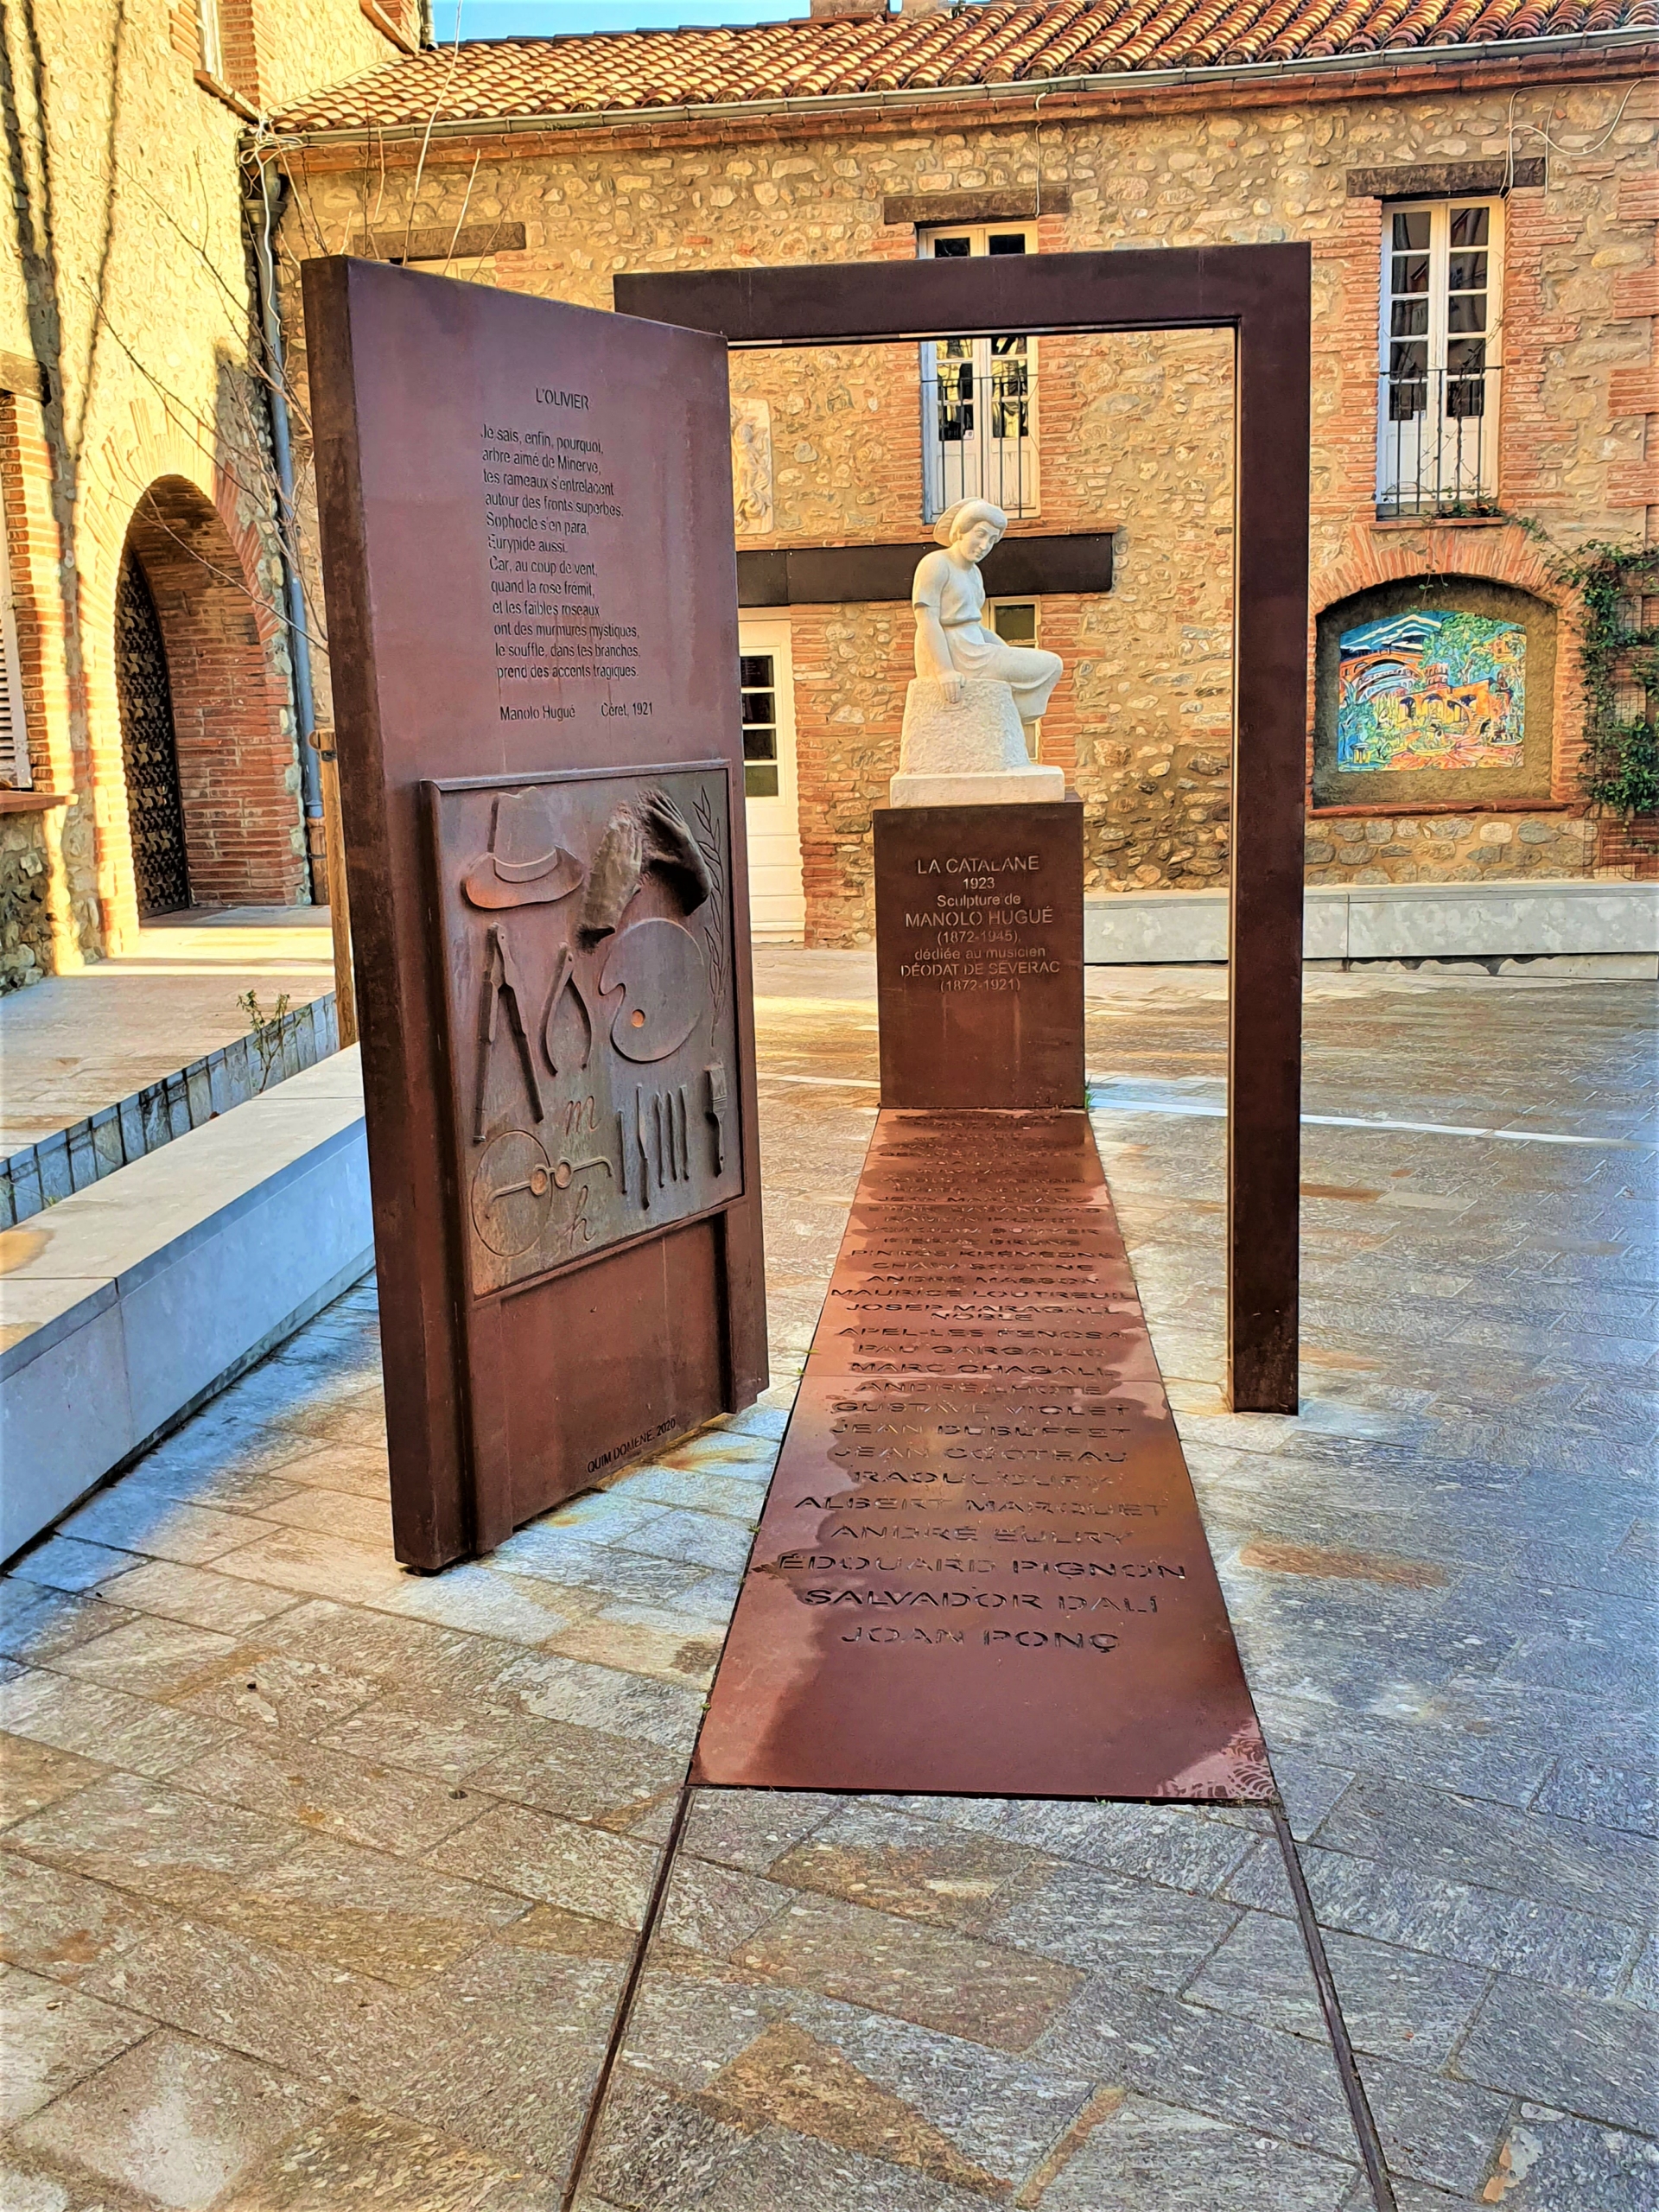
(964, 741)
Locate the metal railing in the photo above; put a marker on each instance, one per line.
(1437, 441)
(979, 437)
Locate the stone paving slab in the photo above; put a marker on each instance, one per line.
(343, 1869)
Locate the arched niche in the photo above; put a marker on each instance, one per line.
(1434, 691)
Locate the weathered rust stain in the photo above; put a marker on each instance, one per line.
(1349, 1362)
(1277, 1558)
(1101, 2106)
(1336, 1191)
(788, 2078)
(79, 1948)
(19, 1246)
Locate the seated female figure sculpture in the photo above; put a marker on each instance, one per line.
(965, 735)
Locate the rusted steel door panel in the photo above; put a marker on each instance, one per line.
(527, 551)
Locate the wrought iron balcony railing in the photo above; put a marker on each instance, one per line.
(979, 436)
(1437, 441)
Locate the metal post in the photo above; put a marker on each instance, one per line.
(263, 207)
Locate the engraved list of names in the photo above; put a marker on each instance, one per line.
(981, 1566)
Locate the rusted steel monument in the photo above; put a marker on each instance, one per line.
(980, 1567)
(1260, 294)
(531, 590)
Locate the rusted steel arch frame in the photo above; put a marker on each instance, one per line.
(1262, 294)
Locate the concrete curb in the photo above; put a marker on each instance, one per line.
(1394, 921)
(72, 1159)
(124, 1307)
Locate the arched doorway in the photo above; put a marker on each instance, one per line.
(149, 750)
(198, 655)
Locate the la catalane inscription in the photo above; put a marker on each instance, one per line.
(970, 932)
(981, 1566)
(979, 955)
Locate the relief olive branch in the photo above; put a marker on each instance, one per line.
(714, 930)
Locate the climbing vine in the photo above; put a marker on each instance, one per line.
(1618, 653)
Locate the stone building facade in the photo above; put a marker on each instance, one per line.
(142, 568)
(562, 163)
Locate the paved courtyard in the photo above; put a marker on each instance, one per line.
(324, 1880)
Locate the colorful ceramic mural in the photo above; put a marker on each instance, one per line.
(1431, 691)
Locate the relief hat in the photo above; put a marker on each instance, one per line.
(525, 866)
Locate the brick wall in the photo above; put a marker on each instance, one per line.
(128, 282)
(68, 894)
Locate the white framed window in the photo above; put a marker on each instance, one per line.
(1440, 343)
(979, 395)
(212, 39)
(1018, 622)
(1015, 620)
(14, 772)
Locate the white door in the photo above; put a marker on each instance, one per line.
(777, 900)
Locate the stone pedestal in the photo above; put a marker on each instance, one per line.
(979, 956)
(969, 752)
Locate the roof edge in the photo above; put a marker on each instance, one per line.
(921, 98)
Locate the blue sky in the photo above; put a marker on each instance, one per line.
(543, 18)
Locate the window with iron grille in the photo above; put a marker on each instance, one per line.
(1441, 337)
(979, 395)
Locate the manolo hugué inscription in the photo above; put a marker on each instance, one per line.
(971, 931)
(587, 929)
(982, 1513)
(979, 965)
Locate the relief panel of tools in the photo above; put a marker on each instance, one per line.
(592, 1037)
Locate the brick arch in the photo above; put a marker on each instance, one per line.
(1507, 555)
(229, 702)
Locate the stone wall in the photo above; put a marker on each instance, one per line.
(28, 837)
(126, 279)
(1448, 847)
(1135, 433)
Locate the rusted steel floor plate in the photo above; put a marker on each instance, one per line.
(980, 1567)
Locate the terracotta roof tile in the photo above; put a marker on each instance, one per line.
(998, 42)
